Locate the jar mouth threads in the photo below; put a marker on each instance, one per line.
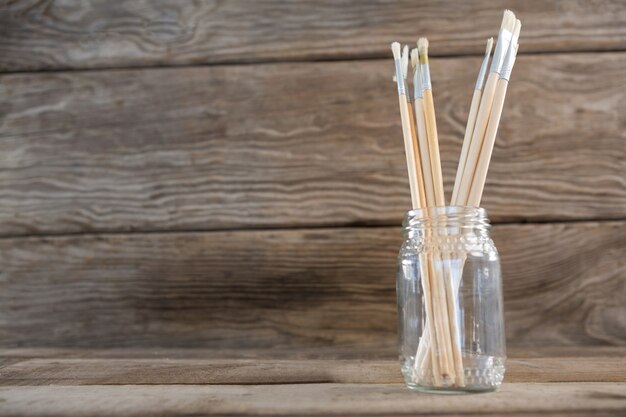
(449, 220)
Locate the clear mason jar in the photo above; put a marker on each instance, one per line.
(450, 312)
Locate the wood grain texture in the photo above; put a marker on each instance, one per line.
(286, 145)
(564, 285)
(584, 399)
(164, 371)
(36, 35)
(388, 350)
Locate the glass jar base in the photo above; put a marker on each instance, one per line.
(449, 390)
(483, 373)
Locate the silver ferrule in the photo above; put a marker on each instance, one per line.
(407, 91)
(509, 61)
(504, 40)
(417, 83)
(399, 78)
(425, 75)
(480, 81)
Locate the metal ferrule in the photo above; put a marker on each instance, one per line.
(425, 75)
(400, 78)
(509, 61)
(417, 84)
(480, 81)
(504, 40)
(407, 90)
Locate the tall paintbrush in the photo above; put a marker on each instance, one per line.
(446, 333)
(471, 120)
(440, 362)
(418, 164)
(484, 110)
(422, 136)
(480, 174)
(431, 122)
(428, 343)
(406, 120)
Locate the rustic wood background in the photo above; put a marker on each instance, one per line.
(230, 174)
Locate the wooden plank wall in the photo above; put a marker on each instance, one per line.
(231, 174)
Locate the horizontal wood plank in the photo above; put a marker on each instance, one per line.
(104, 34)
(387, 350)
(564, 285)
(604, 399)
(286, 145)
(61, 371)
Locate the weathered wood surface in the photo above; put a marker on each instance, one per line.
(564, 285)
(386, 351)
(59, 371)
(31, 384)
(37, 35)
(515, 399)
(287, 145)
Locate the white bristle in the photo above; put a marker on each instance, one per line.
(395, 49)
(509, 59)
(504, 40)
(516, 31)
(508, 21)
(422, 45)
(414, 57)
(405, 61)
(489, 46)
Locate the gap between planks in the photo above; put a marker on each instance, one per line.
(301, 60)
(285, 227)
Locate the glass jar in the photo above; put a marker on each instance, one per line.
(450, 302)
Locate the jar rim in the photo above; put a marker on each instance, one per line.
(440, 210)
(445, 216)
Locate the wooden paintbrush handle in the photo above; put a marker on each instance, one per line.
(433, 147)
(442, 333)
(480, 175)
(409, 152)
(469, 130)
(424, 153)
(452, 305)
(419, 171)
(477, 138)
(426, 279)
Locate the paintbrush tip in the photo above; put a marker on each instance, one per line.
(414, 58)
(405, 61)
(517, 29)
(508, 21)
(489, 46)
(422, 46)
(395, 49)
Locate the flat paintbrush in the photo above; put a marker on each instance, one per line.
(471, 120)
(484, 110)
(480, 174)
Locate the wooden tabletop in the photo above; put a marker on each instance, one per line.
(195, 382)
